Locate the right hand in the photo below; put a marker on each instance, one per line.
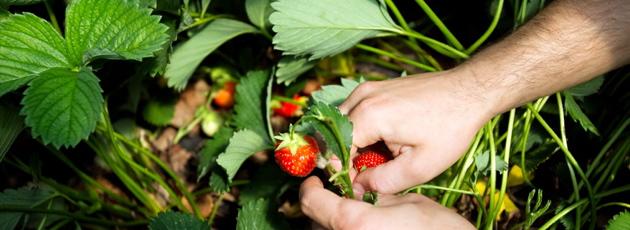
(427, 121)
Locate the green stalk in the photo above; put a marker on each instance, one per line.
(130, 183)
(51, 15)
(523, 12)
(215, 209)
(563, 135)
(70, 193)
(571, 159)
(397, 14)
(506, 158)
(127, 159)
(395, 57)
(493, 174)
(180, 185)
(436, 20)
(436, 45)
(423, 54)
(84, 219)
(606, 147)
(435, 187)
(458, 180)
(377, 61)
(345, 167)
(611, 170)
(89, 180)
(493, 25)
(620, 204)
(566, 210)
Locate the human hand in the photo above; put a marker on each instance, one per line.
(427, 122)
(411, 211)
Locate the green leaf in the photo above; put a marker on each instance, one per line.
(29, 46)
(258, 12)
(587, 88)
(25, 197)
(219, 181)
(336, 94)
(159, 113)
(266, 182)
(112, 29)
(242, 145)
(212, 149)
(63, 106)
(482, 163)
(4, 14)
(574, 111)
(249, 108)
(177, 220)
(327, 27)
(620, 221)
(18, 2)
(291, 67)
(11, 124)
(258, 215)
(189, 55)
(321, 117)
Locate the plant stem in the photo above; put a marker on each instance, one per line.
(571, 159)
(493, 25)
(423, 54)
(429, 186)
(180, 185)
(89, 220)
(566, 210)
(395, 57)
(506, 158)
(53, 18)
(436, 45)
(436, 20)
(377, 61)
(563, 135)
(469, 160)
(620, 204)
(215, 209)
(493, 173)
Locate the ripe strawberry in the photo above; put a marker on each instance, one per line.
(369, 159)
(288, 109)
(296, 154)
(224, 98)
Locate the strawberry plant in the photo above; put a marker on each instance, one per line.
(209, 114)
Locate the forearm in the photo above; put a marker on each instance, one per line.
(570, 42)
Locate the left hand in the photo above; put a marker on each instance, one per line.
(411, 211)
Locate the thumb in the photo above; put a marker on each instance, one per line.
(401, 173)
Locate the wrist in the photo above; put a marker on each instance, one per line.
(488, 88)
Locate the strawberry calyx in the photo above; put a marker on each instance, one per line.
(291, 140)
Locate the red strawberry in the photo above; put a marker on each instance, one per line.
(370, 158)
(296, 154)
(224, 98)
(288, 109)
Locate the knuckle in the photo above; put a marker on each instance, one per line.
(365, 87)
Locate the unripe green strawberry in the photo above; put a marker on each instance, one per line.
(296, 154)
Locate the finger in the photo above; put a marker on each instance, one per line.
(402, 172)
(326, 208)
(365, 131)
(335, 163)
(357, 95)
(385, 200)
